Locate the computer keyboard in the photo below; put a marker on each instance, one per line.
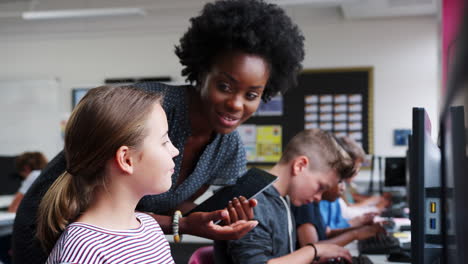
(380, 244)
(395, 212)
(405, 228)
(356, 260)
(389, 225)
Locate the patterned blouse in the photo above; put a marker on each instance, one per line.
(221, 163)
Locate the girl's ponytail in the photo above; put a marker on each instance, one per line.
(58, 208)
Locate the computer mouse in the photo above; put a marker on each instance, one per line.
(399, 256)
(389, 225)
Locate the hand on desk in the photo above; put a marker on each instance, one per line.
(236, 218)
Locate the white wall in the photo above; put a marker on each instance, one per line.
(403, 54)
(30, 113)
(402, 51)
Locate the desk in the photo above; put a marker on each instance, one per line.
(352, 247)
(6, 223)
(6, 218)
(376, 259)
(5, 201)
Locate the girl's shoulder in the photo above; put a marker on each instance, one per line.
(145, 217)
(147, 220)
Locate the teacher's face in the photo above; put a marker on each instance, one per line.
(232, 89)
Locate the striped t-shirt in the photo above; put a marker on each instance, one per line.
(83, 243)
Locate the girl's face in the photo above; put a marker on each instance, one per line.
(154, 164)
(232, 89)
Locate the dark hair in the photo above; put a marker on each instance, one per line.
(103, 121)
(250, 26)
(34, 160)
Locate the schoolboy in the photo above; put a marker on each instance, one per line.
(311, 163)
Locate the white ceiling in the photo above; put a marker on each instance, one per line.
(173, 15)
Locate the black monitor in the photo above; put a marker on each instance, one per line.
(455, 184)
(395, 171)
(424, 191)
(454, 154)
(9, 177)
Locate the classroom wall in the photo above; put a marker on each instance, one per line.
(403, 52)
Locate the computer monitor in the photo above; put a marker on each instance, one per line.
(424, 191)
(395, 171)
(455, 184)
(454, 154)
(9, 177)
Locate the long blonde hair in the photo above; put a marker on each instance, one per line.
(104, 120)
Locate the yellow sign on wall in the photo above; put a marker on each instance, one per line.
(268, 143)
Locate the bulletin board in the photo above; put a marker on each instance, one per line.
(339, 100)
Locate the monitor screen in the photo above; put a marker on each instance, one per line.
(424, 187)
(9, 177)
(395, 171)
(454, 154)
(455, 185)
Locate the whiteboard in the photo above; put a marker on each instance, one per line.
(30, 117)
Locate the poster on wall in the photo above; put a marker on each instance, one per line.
(248, 134)
(268, 143)
(340, 114)
(262, 142)
(338, 100)
(274, 107)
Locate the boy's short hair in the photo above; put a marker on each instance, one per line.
(322, 149)
(352, 147)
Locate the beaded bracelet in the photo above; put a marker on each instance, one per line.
(175, 226)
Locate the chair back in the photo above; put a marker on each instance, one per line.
(203, 255)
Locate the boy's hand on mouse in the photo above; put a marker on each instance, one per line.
(202, 224)
(240, 209)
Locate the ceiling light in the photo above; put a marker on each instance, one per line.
(81, 13)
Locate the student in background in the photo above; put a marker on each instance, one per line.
(29, 166)
(311, 163)
(330, 210)
(106, 176)
(354, 204)
(234, 54)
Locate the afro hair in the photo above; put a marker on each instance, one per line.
(250, 26)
